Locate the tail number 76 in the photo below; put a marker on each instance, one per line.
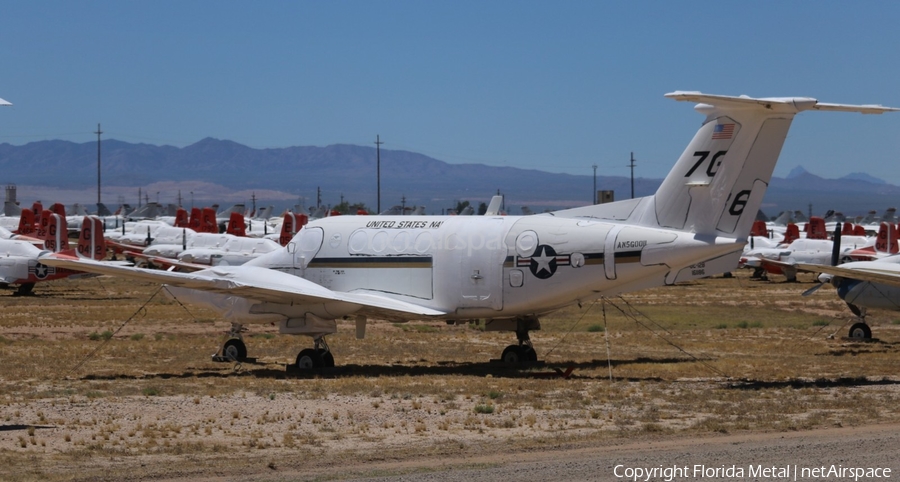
(712, 167)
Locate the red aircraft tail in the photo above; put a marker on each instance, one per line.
(290, 226)
(55, 232)
(208, 221)
(181, 218)
(847, 229)
(26, 222)
(195, 222)
(236, 225)
(886, 240)
(58, 208)
(791, 233)
(815, 228)
(91, 243)
(759, 229)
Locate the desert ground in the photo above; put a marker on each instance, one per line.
(109, 379)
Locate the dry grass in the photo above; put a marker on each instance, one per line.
(742, 355)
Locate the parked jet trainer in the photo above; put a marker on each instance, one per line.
(506, 270)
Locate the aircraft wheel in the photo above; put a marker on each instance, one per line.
(309, 359)
(512, 355)
(528, 354)
(234, 349)
(328, 360)
(25, 289)
(860, 331)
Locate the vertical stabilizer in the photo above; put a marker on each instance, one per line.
(717, 185)
(91, 243)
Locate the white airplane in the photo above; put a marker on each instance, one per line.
(862, 285)
(20, 261)
(506, 270)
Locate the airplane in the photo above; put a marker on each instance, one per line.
(20, 261)
(506, 270)
(815, 248)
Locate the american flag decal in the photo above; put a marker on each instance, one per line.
(723, 131)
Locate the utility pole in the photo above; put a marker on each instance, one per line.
(98, 162)
(378, 144)
(632, 174)
(253, 200)
(318, 197)
(403, 205)
(595, 184)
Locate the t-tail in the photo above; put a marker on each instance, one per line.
(717, 185)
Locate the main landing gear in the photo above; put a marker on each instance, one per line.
(235, 350)
(24, 289)
(317, 357)
(523, 352)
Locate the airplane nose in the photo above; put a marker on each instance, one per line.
(824, 278)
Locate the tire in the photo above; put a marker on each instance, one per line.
(860, 331)
(529, 355)
(512, 355)
(309, 359)
(234, 348)
(328, 360)
(25, 289)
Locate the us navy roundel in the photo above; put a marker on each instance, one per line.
(544, 261)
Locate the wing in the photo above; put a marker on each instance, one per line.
(874, 271)
(252, 282)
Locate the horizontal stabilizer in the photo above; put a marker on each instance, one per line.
(785, 104)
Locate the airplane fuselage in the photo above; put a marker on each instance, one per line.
(494, 266)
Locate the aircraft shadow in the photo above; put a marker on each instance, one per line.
(11, 428)
(844, 382)
(445, 368)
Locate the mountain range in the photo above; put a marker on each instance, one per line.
(225, 171)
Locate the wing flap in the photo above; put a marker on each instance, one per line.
(252, 282)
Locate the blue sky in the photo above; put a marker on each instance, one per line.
(557, 86)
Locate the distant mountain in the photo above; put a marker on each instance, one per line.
(228, 171)
(796, 172)
(861, 176)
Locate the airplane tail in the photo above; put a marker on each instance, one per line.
(815, 228)
(759, 229)
(717, 185)
(290, 226)
(236, 225)
(91, 243)
(791, 233)
(886, 239)
(195, 221)
(26, 222)
(58, 208)
(208, 221)
(181, 218)
(54, 232)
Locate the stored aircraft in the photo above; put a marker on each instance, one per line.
(506, 270)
